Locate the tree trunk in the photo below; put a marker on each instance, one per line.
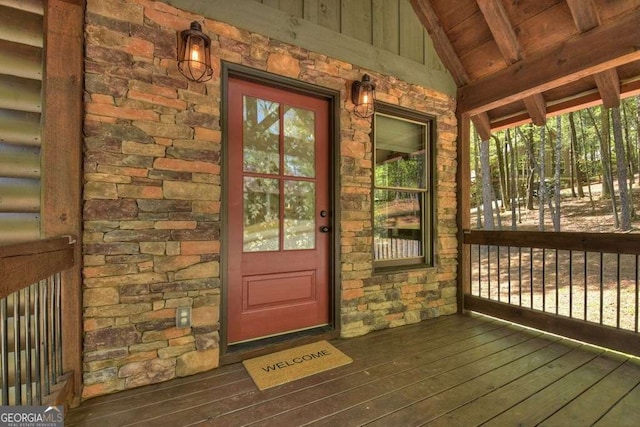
(528, 141)
(621, 161)
(629, 151)
(637, 99)
(542, 187)
(630, 154)
(586, 165)
(558, 161)
(605, 152)
(513, 187)
(502, 176)
(477, 185)
(575, 158)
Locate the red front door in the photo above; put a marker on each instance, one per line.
(278, 211)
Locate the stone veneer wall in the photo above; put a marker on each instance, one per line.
(152, 195)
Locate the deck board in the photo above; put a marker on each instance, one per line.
(454, 370)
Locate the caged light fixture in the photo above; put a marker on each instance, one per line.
(363, 96)
(194, 54)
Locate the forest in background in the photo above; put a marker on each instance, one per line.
(579, 172)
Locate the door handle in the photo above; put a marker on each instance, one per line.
(324, 229)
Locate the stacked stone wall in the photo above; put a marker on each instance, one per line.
(152, 195)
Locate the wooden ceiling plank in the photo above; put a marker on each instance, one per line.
(441, 42)
(537, 109)
(482, 125)
(585, 14)
(608, 84)
(500, 26)
(600, 49)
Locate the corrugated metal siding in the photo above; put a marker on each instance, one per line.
(21, 45)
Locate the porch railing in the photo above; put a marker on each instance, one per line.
(31, 319)
(581, 285)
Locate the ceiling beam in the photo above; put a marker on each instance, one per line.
(586, 100)
(584, 13)
(501, 29)
(537, 109)
(507, 41)
(482, 124)
(441, 42)
(604, 47)
(608, 84)
(586, 18)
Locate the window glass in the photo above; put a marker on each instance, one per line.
(261, 135)
(402, 201)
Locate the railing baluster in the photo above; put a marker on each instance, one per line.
(520, 277)
(58, 327)
(499, 273)
(531, 277)
(37, 309)
(509, 272)
(557, 292)
(479, 271)
(570, 283)
(586, 287)
(28, 347)
(54, 335)
(17, 386)
(45, 338)
(618, 292)
(488, 271)
(4, 348)
(544, 279)
(601, 287)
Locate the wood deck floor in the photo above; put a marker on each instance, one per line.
(453, 371)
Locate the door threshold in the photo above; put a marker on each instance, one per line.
(250, 349)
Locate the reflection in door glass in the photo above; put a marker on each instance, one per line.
(261, 231)
(261, 135)
(299, 215)
(299, 139)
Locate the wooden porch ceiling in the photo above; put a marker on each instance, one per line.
(517, 61)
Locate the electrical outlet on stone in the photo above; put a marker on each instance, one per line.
(183, 317)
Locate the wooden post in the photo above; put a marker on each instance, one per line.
(464, 196)
(62, 160)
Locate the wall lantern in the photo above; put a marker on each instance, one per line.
(363, 96)
(194, 54)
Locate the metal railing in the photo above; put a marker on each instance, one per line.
(31, 319)
(582, 285)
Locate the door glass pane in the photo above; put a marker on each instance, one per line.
(261, 135)
(299, 142)
(400, 153)
(261, 231)
(299, 215)
(397, 222)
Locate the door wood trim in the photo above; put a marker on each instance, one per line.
(231, 70)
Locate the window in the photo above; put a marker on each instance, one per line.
(402, 196)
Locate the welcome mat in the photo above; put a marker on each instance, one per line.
(290, 365)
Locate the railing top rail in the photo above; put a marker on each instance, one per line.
(617, 243)
(22, 264)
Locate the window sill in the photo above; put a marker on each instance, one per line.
(401, 268)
